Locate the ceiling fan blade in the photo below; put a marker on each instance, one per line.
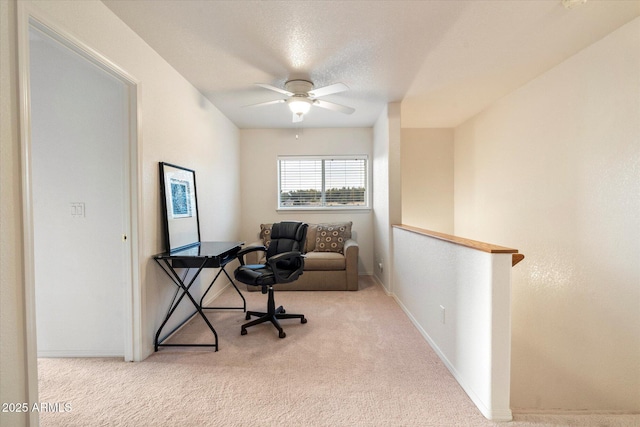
(276, 89)
(261, 104)
(333, 106)
(297, 118)
(328, 90)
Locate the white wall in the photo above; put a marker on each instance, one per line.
(553, 170)
(387, 209)
(178, 125)
(259, 151)
(427, 179)
(381, 253)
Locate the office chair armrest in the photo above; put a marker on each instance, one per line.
(287, 275)
(242, 252)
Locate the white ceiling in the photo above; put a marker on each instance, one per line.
(445, 60)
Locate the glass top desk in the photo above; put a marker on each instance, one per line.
(197, 257)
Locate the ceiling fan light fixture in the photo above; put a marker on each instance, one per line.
(299, 105)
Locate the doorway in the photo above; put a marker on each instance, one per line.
(81, 169)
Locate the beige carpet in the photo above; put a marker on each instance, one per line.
(357, 362)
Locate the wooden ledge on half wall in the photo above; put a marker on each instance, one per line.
(473, 244)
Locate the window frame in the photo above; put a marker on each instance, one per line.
(367, 181)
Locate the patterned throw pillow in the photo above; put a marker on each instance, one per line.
(265, 234)
(331, 237)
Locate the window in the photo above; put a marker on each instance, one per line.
(322, 182)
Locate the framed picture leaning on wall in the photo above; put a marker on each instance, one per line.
(180, 201)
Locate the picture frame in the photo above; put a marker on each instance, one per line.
(179, 198)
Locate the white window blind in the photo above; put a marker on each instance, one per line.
(322, 182)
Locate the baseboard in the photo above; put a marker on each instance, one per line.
(211, 298)
(60, 354)
(379, 283)
(569, 412)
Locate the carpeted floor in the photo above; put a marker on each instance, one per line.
(357, 362)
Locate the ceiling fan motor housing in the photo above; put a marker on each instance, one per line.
(299, 87)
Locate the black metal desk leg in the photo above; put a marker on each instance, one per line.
(244, 301)
(175, 278)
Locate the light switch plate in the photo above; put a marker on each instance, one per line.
(77, 210)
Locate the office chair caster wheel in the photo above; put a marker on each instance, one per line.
(283, 311)
(303, 320)
(247, 316)
(243, 332)
(282, 334)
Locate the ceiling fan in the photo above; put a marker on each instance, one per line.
(301, 95)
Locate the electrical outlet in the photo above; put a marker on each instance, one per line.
(443, 317)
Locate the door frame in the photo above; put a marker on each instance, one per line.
(27, 17)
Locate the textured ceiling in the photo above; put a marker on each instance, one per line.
(445, 60)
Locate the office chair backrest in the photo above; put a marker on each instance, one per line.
(287, 237)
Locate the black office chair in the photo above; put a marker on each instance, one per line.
(284, 264)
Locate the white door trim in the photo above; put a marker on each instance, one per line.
(27, 17)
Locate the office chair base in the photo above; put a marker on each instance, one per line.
(272, 315)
